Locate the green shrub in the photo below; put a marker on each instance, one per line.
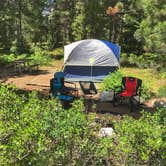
(162, 91)
(9, 58)
(5, 59)
(36, 131)
(21, 126)
(133, 59)
(147, 60)
(163, 74)
(40, 132)
(112, 81)
(39, 56)
(124, 59)
(57, 53)
(141, 142)
(146, 92)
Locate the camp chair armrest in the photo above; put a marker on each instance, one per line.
(70, 83)
(73, 89)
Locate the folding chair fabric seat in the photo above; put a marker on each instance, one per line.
(58, 89)
(66, 98)
(130, 87)
(88, 87)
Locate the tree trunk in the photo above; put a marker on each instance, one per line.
(113, 37)
(19, 26)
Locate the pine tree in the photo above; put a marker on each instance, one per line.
(78, 26)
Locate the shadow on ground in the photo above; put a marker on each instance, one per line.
(8, 72)
(102, 108)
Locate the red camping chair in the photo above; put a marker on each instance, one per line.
(130, 88)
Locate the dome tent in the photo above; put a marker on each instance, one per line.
(90, 60)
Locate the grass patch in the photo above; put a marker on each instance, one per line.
(57, 53)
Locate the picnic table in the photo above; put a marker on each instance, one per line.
(22, 65)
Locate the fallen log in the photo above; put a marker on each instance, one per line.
(33, 84)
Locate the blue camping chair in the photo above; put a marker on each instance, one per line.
(60, 91)
(57, 83)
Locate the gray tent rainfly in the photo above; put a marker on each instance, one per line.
(90, 60)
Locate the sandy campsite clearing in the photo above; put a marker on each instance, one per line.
(40, 81)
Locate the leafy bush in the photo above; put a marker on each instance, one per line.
(37, 56)
(58, 53)
(146, 92)
(40, 56)
(163, 74)
(143, 61)
(124, 59)
(162, 91)
(112, 81)
(141, 142)
(20, 127)
(40, 132)
(8, 58)
(37, 131)
(5, 59)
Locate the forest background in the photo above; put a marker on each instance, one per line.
(138, 26)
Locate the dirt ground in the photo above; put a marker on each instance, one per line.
(40, 81)
(37, 80)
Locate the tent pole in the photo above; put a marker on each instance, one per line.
(91, 72)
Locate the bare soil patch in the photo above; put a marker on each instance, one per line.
(40, 80)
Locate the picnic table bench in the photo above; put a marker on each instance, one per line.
(23, 65)
(33, 67)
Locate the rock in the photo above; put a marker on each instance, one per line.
(106, 132)
(156, 102)
(160, 103)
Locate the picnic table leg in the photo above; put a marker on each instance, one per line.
(19, 69)
(15, 69)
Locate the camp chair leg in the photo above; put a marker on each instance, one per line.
(114, 101)
(65, 104)
(130, 104)
(117, 100)
(139, 101)
(131, 86)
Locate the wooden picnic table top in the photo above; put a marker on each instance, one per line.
(24, 65)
